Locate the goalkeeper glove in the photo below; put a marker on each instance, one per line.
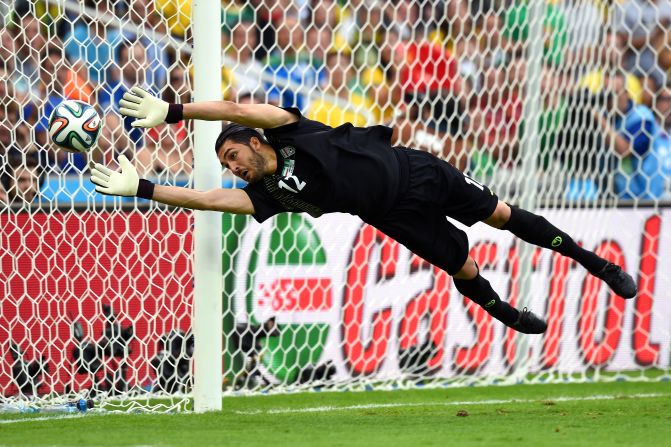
(121, 183)
(149, 110)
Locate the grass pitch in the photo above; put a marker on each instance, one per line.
(594, 415)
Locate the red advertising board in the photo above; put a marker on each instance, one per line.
(339, 291)
(61, 268)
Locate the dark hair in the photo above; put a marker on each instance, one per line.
(237, 133)
(17, 159)
(54, 50)
(124, 47)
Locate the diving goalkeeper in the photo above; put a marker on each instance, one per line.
(300, 165)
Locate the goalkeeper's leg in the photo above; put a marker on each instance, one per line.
(470, 284)
(537, 230)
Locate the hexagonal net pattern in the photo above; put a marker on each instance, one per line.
(560, 106)
(96, 291)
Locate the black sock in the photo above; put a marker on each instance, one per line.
(537, 230)
(479, 290)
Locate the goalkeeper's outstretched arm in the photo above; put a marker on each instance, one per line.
(234, 201)
(126, 182)
(151, 111)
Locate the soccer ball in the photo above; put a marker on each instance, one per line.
(74, 126)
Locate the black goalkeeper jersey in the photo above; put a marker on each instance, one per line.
(321, 169)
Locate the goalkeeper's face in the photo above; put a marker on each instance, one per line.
(243, 160)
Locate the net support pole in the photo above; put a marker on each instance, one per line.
(529, 145)
(208, 287)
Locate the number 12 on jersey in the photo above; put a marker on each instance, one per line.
(477, 184)
(297, 183)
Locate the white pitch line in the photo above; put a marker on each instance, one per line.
(324, 409)
(42, 418)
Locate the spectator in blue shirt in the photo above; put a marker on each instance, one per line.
(642, 145)
(288, 61)
(152, 34)
(132, 58)
(90, 42)
(662, 105)
(29, 44)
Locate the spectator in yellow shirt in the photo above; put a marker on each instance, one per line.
(595, 80)
(177, 13)
(338, 71)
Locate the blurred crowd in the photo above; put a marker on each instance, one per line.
(449, 76)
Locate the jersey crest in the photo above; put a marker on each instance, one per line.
(288, 151)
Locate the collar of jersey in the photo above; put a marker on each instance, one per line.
(280, 162)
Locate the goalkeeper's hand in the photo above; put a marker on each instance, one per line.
(116, 183)
(149, 110)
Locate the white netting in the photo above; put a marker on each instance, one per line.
(96, 291)
(571, 120)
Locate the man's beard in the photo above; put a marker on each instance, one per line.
(257, 168)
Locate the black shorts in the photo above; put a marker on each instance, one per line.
(435, 189)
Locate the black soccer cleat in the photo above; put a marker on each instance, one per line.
(529, 323)
(618, 280)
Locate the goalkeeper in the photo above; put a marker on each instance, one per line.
(300, 165)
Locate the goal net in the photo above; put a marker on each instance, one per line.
(556, 106)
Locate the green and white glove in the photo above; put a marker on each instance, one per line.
(125, 182)
(149, 110)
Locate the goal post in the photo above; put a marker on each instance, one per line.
(208, 291)
(529, 140)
